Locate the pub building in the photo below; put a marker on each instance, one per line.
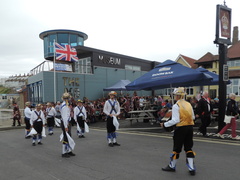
(95, 70)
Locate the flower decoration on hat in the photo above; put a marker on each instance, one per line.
(113, 93)
(179, 91)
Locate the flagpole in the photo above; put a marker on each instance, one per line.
(54, 72)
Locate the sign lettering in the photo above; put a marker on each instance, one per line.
(109, 60)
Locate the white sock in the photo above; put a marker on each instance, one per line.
(109, 140)
(64, 150)
(114, 140)
(173, 163)
(190, 164)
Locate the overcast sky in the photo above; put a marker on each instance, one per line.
(155, 30)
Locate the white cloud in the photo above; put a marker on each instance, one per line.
(155, 29)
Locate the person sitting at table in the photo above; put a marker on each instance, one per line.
(162, 113)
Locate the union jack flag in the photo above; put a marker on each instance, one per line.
(65, 53)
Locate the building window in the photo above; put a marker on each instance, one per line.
(132, 67)
(73, 40)
(233, 63)
(189, 90)
(234, 87)
(83, 66)
(168, 91)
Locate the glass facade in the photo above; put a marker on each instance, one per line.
(73, 38)
(83, 66)
(35, 93)
(132, 67)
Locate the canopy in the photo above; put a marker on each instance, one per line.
(119, 86)
(215, 77)
(169, 74)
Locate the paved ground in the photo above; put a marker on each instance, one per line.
(140, 157)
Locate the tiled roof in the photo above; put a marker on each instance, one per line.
(207, 57)
(190, 61)
(233, 52)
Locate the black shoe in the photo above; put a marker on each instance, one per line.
(28, 137)
(192, 173)
(66, 155)
(33, 144)
(71, 154)
(206, 135)
(40, 143)
(110, 144)
(168, 168)
(116, 144)
(50, 134)
(19, 125)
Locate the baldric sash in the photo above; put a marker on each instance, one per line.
(80, 109)
(113, 106)
(38, 115)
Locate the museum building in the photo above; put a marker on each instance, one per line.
(95, 70)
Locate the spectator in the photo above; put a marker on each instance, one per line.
(232, 110)
(16, 115)
(204, 112)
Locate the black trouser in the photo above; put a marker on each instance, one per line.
(81, 122)
(16, 119)
(50, 122)
(183, 136)
(64, 132)
(110, 127)
(27, 122)
(38, 125)
(205, 120)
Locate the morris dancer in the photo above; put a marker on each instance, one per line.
(80, 115)
(182, 117)
(65, 124)
(37, 122)
(51, 113)
(27, 114)
(111, 109)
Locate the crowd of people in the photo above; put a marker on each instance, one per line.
(79, 112)
(203, 107)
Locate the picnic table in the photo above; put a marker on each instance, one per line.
(141, 115)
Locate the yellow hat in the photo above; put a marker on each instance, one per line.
(79, 100)
(66, 95)
(27, 103)
(179, 91)
(38, 105)
(113, 93)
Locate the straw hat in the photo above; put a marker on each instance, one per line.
(38, 105)
(27, 103)
(113, 93)
(179, 91)
(79, 101)
(66, 95)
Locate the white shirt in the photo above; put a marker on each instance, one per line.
(108, 108)
(27, 112)
(175, 116)
(34, 117)
(65, 113)
(51, 112)
(77, 111)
